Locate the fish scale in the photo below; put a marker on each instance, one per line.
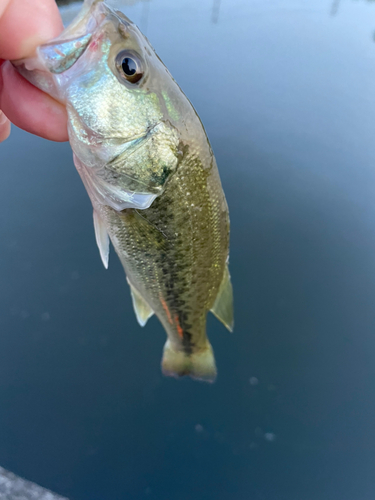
(196, 256)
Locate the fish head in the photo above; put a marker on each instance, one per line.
(124, 108)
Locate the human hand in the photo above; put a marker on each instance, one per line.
(25, 24)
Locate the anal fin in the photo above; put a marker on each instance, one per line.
(142, 310)
(102, 238)
(223, 306)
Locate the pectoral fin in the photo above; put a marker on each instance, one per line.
(223, 306)
(102, 238)
(142, 310)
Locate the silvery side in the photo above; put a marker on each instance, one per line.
(149, 170)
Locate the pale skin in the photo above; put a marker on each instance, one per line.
(25, 24)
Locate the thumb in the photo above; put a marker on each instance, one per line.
(25, 24)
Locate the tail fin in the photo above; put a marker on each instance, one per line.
(199, 365)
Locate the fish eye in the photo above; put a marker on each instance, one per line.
(129, 66)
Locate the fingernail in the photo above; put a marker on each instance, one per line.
(3, 118)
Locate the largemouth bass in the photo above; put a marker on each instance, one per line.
(148, 167)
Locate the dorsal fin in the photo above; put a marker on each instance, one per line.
(142, 310)
(223, 306)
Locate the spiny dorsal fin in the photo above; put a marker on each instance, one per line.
(223, 306)
(102, 238)
(142, 310)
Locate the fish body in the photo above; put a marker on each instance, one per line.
(146, 162)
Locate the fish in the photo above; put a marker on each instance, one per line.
(150, 172)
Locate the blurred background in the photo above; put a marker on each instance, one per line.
(285, 89)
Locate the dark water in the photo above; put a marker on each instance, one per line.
(286, 90)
